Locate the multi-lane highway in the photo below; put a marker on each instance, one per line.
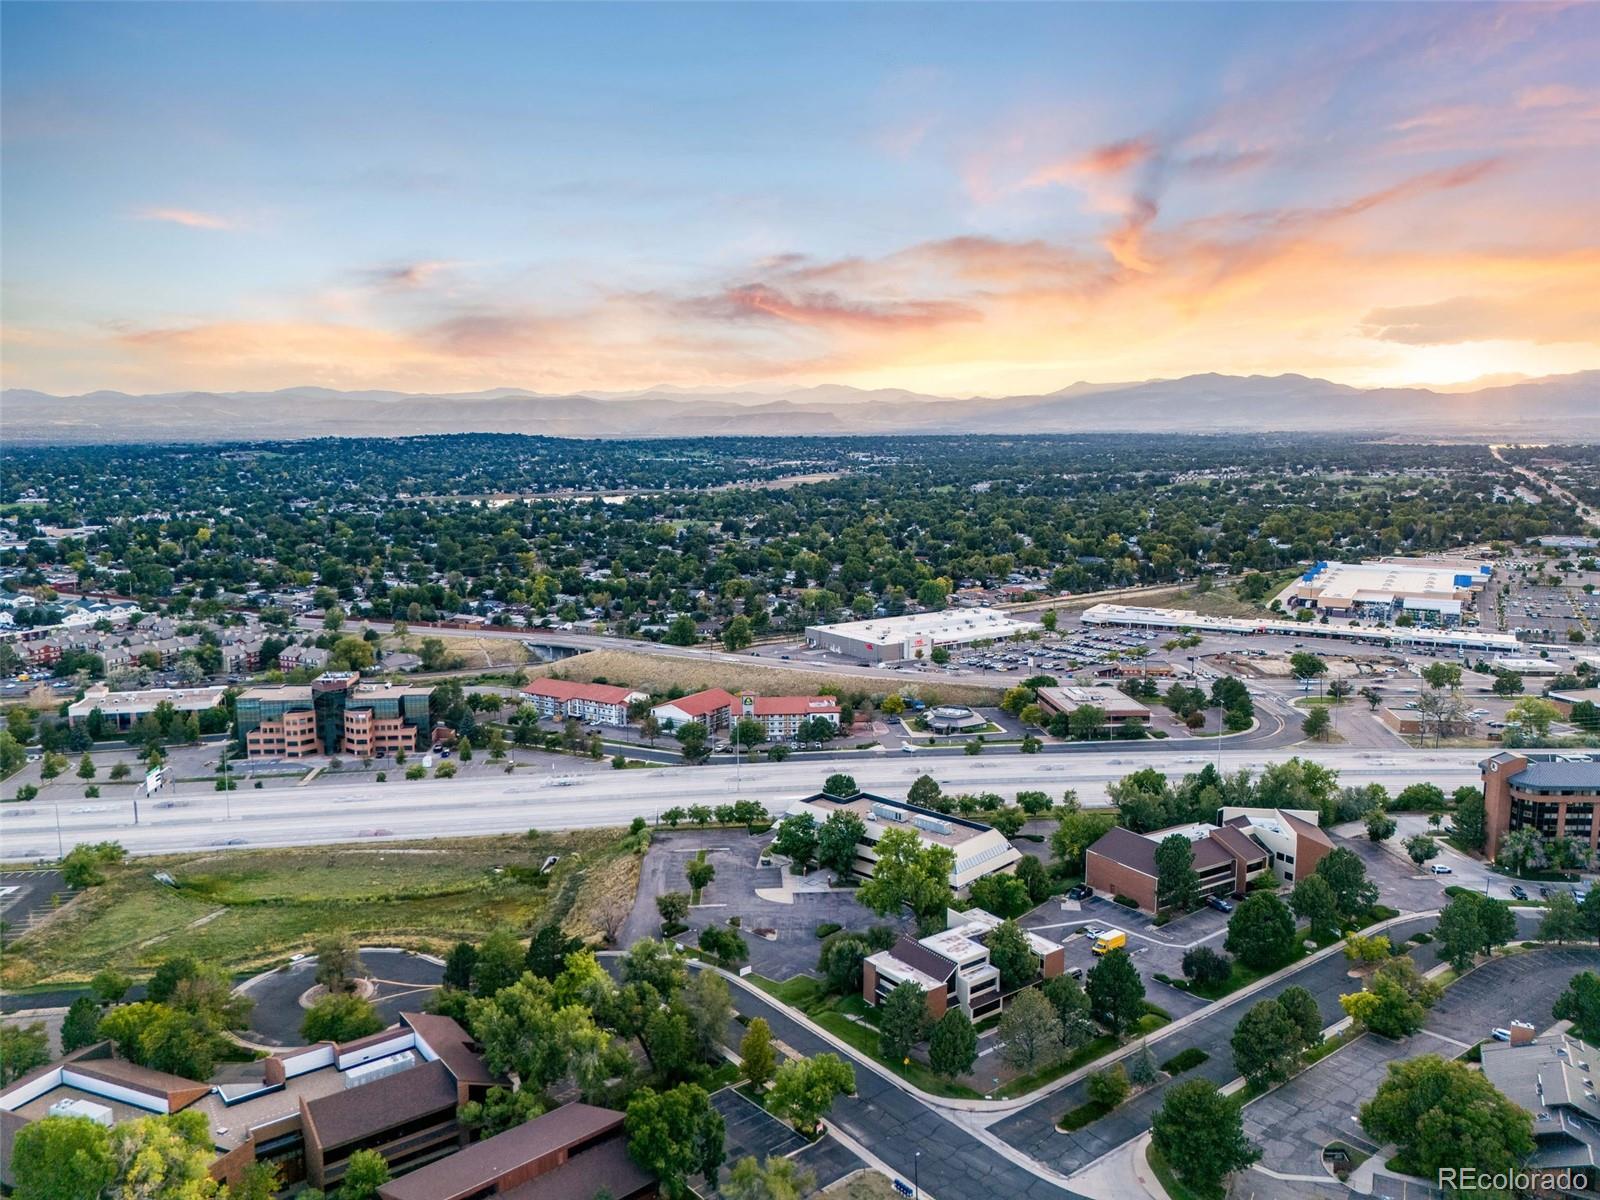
(327, 810)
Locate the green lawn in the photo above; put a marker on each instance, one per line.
(1175, 1188)
(247, 909)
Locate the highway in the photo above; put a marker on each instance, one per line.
(329, 811)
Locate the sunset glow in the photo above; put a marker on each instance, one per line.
(965, 200)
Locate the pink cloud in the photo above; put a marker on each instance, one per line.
(187, 217)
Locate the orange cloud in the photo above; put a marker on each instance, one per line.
(187, 217)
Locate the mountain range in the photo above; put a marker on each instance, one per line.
(1552, 407)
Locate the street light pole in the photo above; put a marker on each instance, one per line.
(916, 1175)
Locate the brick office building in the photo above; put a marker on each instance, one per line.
(1529, 791)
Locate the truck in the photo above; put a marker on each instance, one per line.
(1109, 940)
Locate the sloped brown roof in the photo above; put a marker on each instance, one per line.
(361, 1112)
(477, 1167)
(607, 1167)
(914, 954)
(177, 1091)
(1241, 845)
(1306, 830)
(453, 1045)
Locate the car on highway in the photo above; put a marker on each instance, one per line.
(1518, 892)
(1218, 903)
(1440, 869)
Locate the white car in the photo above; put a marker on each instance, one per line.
(1502, 1035)
(1440, 869)
(1094, 933)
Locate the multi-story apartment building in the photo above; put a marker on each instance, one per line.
(783, 715)
(592, 703)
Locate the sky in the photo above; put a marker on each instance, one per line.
(957, 199)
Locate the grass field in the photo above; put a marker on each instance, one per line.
(657, 674)
(248, 909)
(865, 1185)
(485, 652)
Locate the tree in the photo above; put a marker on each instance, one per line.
(1109, 1087)
(924, 792)
(22, 1048)
(1086, 722)
(1267, 1044)
(1115, 991)
(952, 1044)
(1580, 1004)
(841, 786)
(673, 907)
(62, 1158)
(1301, 1006)
(365, 1172)
(691, 739)
(723, 945)
(501, 1109)
(1076, 830)
(805, 1088)
(797, 840)
(775, 1179)
(1469, 821)
(1030, 1031)
(1458, 934)
(908, 874)
(1441, 676)
(1443, 1113)
(459, 964)
(1533, 716)
(1002, 895)
(86, 767)
(1305, 665)
(757, 1058)
(1261, 932)
(1034, 878)
(1562, 921)
(84, 866)
(902, 1021)
(748, 732)
(837, 840)
(1421, 848)
(1521, 849)
(1177, 884)
(736, 634)
(337, 961)
(500, 961)
(1366, 949)
(1397, 1001)
(1205, 967)
(110, 985)
(1312, 901)
(340, 1017)
(1072, 1010)
(1380, 826)
(1200, 1134)
(682, 631)
(699, 873)
(548, 950)
(1012, 956)
(1346, 874)
(81, 1026)
(1317, 724)
(840, 963)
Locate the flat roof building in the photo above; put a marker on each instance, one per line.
(916, 635)
(122, 710)
(1133, 616)
(1434, 589)
(334, 713)
(1119, 707)
(952, 967)
(979, 849)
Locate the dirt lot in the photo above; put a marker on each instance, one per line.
(658, 674)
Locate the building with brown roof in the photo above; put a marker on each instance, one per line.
(593, 703)
(1247, 843)
(573, 1153)
(952, 967)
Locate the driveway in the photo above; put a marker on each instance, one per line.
(405, 982)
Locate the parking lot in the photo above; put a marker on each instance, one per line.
(26, 897)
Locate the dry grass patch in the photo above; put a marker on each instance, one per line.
(657, 674)
(474, 652)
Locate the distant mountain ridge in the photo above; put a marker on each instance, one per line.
(1557, 406)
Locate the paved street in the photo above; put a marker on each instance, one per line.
(338, 811)
(405, 982)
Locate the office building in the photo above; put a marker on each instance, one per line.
(1552, 793)
(1553, 1078)
(1119, 707)
(122, 710)
(916, 635)
(571, 1153)
(952, 967)
(334, 714)
(979, 849)
(1248, 843)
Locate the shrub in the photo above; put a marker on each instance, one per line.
(1126, 901)
(1185, 1060)
(828, 929)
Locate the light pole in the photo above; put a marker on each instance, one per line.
(916, 1175)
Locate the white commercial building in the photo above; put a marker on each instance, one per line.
(916, 635)
(1433, 590)
(1416, 637)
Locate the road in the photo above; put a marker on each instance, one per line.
(324, 812)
